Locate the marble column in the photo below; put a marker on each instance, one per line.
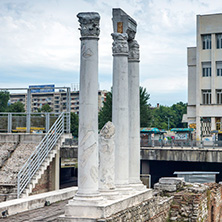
(120, 115)
(134, 113)
(88, 185)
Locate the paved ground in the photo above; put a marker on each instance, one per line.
(49, 213)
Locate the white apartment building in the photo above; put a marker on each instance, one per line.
(56, 100)
(204, 62)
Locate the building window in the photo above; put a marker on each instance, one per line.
(206, 126)
(206, 69)
(206, 94)
(218, 123)
(206, 41)
(219, 96)
(219, 68)
(219, 41)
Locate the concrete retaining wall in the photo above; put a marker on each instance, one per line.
(182, 154)
(21, 137)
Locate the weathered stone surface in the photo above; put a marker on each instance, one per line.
(88, 162)
(120, 109)
(134, 53)
(106, 158)
(89, 23)
(9, 171)
(120, 44)
(123, 23)
(169, 184)
(171, 180)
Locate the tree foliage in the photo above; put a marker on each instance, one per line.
(45, 109)
(145, 111)
(74, 124)
(173, 114)
(105, 114)
(5, 107)
(16, 107)
(4, 98)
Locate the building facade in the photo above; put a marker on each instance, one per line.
(56, 100)
(204, 111)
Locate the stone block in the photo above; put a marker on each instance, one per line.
(168, 188)
(171, 180)
(157, 186)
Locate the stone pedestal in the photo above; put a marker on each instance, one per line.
(103, 210)
(120, 115)
(88, 108)
(134, 116)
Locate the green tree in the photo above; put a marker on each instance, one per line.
(45, 109)
(160, 117)
(105, 114)
(74, 124)
(4, 98)
(179, 109)
(173, 114)
(145, 111)
(16, 107)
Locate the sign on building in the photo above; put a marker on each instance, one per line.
(42, 88)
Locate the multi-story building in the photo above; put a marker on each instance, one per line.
(204, 111)
(56, 100)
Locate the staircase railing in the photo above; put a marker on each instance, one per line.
(40, 153)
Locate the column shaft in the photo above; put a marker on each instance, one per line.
(88, 106)
(134, 123)
(120, 115)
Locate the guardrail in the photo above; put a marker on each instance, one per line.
(40, 153)
(180, 143)
(29, 122)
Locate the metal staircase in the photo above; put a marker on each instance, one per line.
(44, 153)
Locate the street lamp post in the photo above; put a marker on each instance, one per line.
(168, 121)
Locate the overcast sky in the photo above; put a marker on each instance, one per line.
(39, 42)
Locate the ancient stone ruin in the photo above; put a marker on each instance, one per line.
(109, 167)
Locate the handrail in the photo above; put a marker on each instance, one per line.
(29, 121)
(40, 154)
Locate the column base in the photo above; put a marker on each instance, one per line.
(124, 189)
(110, 194)
(79, 211)
(138, 186)
(87, 199)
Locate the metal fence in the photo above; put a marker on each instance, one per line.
(41, 152)
(180, 143)
(29, 122)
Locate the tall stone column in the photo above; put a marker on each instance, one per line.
(88, 106)
(120, 115)
(134, 113)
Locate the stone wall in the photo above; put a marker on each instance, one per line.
(214, 197)
(156, 209)
(192, 201)
(7, 192)
(190, 204)
(45, 182)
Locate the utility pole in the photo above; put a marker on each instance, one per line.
(168, 121)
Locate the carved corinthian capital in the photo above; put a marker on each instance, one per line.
(120, 44)
(89, 24)
(134, 53)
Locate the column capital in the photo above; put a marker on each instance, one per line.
(134, 53)
(89, 24)
(120, 44)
